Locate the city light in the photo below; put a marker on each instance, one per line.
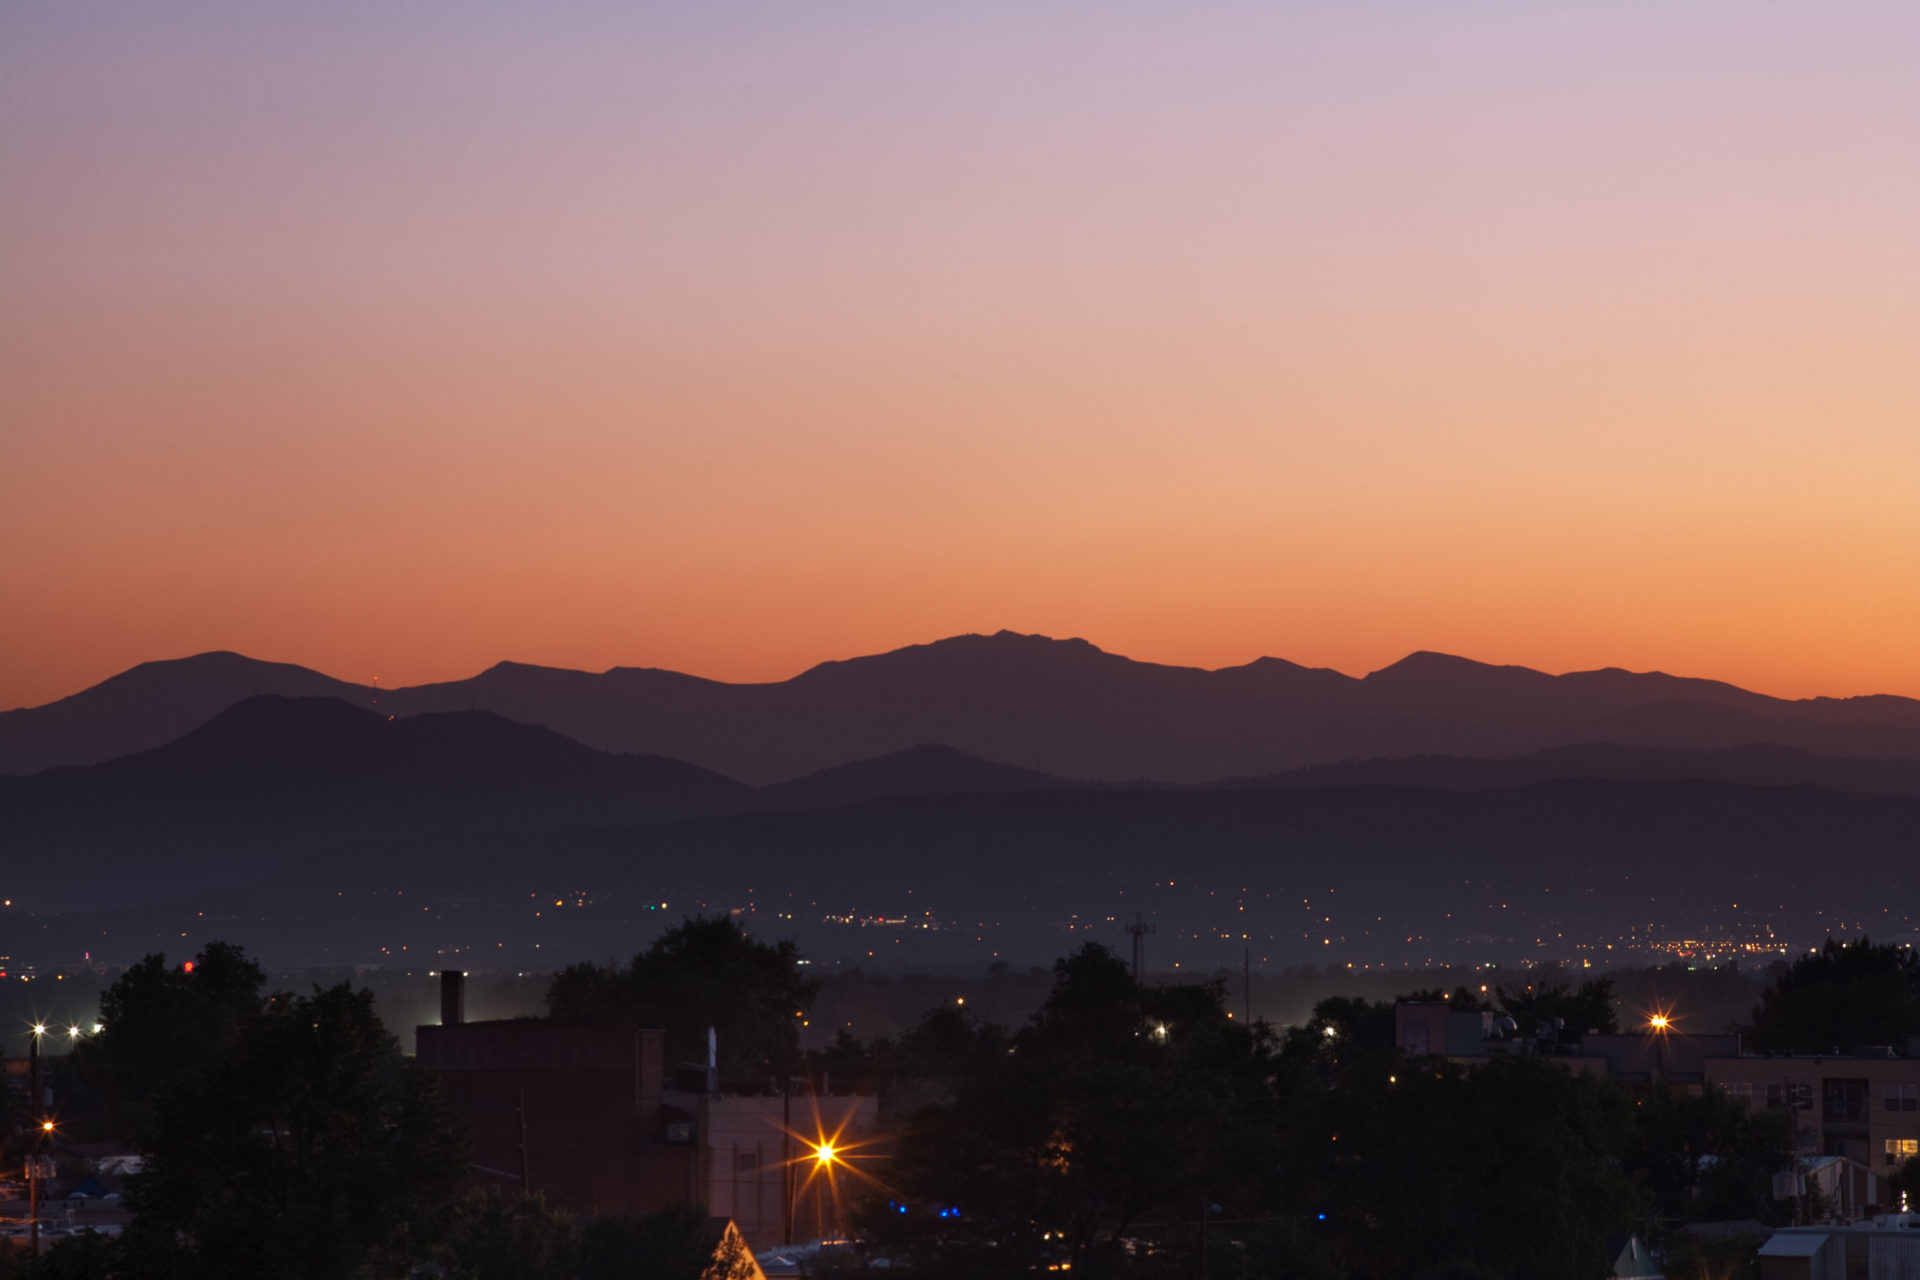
(823, 1154)
(1658, 1022)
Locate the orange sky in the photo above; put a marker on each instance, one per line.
(399, 340)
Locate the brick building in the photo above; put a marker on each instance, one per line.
(586, 1112)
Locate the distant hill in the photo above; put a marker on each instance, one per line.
(1057, 707)
(1755, 765)
(151, 704)
(918, 771)
(313, 828)
(1326, 876)
(272, 779)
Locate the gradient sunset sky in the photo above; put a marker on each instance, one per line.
(397, 339)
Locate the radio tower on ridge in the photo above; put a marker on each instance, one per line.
(1139, 930)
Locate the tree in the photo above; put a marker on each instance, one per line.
(512, 1236)
(1706, 1158)
(703, 973)
(500, 1235)
(1588, 1008)
(303, 1149)
(160, 1023)
(1088, 1139)
(1345, 1024)
(1440, 1163)
(1843, 995)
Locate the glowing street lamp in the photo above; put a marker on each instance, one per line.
(1659, 1023)
(824, 1154)
(42, 1129)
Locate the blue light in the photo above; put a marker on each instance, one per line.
(1323, 1217)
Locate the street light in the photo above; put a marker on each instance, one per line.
(1659, 1022)
(45, 1127)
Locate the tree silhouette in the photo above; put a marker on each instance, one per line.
(702, 973)
(1844, 995)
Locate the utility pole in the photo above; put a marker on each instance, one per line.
(526, 1172)
(1207, 1207)
(786, 1153)
(1139, 930)
(1246, 980)
(33, 1150)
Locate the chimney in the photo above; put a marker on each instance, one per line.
(453, 997)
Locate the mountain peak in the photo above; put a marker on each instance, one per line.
(1426, 664)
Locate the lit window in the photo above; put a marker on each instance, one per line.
(1899, 1149)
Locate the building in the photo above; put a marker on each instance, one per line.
(1865, 1107)
(1862, 1107)
(575, 1110)
(1887, 1248)
(1639, 1058)
(588, 1113)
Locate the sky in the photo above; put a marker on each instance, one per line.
(399, 339)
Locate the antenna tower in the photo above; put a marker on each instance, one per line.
(1139, 930)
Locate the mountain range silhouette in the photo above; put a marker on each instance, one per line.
(319, 828)
(1058, 707)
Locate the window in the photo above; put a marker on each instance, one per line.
(1844, 1100)
(1899, 1149)
(1741, 1091)
(745, 1161)
(1903, 1097)
(1794, 1097)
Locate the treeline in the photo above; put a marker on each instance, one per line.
(1704, 1000)
(1133, 1130)
(1119, 1128)
(1137, 1129)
